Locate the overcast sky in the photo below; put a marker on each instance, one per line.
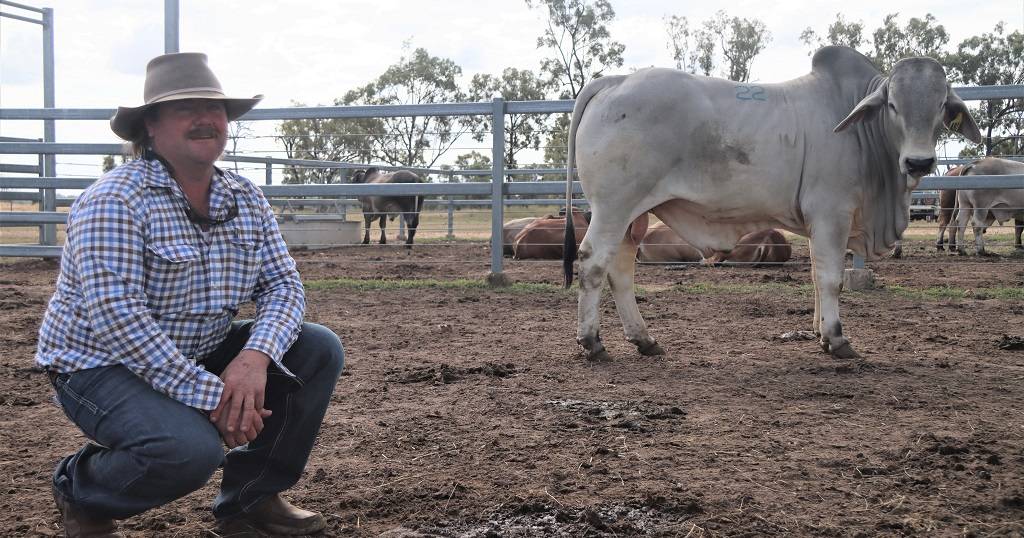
(313, 52)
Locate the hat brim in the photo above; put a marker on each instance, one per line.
(127, 121)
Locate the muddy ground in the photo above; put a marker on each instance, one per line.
(467, 411)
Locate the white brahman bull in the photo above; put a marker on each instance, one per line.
(832, 155)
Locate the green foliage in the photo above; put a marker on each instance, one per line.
(920, 37)
(325, 139)
(108, 163)
(556, 149)
(840, 32)
(522, 131)
(416, 79)
(578, 36)
(993, 58)
(473, 160)
(737, 41)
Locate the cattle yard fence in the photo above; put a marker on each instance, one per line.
(497, 193)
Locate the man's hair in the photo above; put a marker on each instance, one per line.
(140, 142)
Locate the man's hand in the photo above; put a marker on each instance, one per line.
(239, 414)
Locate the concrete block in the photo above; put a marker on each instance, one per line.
(858, 279)
(319, 231)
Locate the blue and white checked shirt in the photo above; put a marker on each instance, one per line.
(141, 285)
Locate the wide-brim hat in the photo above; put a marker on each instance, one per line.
(172, 77)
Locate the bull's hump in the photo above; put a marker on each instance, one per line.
(842, 62)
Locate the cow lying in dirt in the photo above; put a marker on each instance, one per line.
(543, 238)
(662, 245)
(509, 232)
(384, 207)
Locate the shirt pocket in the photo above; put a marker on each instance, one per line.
(171, 273)
(242, 264)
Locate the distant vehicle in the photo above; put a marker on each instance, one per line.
(924, 205)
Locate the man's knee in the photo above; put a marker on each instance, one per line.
(182, 463)
(320, 344)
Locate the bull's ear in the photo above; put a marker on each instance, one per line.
(958, 119)
(866, 108)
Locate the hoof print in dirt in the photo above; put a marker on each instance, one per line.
(632, 416)
(1011, 342)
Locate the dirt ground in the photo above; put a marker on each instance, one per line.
(467, 411)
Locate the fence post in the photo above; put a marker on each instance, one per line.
(270, 172)
(451, 212)
(497, 277)
(48, 235)
(171, 18)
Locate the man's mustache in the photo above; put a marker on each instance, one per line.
(203, 132)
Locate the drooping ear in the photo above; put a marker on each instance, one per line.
(958, 119)
(371, 171)
(357, 176)
(866, 108)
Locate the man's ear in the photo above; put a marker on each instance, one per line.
(866, 108)
(958, 119)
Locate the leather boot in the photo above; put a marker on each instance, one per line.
(272, 515)
(78, 523)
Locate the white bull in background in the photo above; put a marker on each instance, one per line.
(985, 206)
(832, 155)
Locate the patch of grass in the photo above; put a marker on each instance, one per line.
(945, 293)
(428, 283)
(704, 288)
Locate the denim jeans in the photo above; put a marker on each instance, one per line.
(148, 449)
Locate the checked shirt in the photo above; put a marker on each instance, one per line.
(143, 286)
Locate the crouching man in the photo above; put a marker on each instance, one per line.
(140, 342)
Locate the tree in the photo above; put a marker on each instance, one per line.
(325, 139)
(521, 130)
(473, 160)
(920, 37)
(238, 130)
(737, 41)
(741, 41)
(108, 163)
(578, 36)
(993, 58)
(416, 79)
(840, 32)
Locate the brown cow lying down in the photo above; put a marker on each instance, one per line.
(542, 239)
(509, 232)
(662, 245)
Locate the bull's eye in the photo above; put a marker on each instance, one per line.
(892, 107)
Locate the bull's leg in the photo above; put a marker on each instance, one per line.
(828, 255)
(596, 252)
(383, 224)
(962, 215)
(940, 241)
(412, 221)
(981, 221)
(620, 277)
(368, 219)
(1018, 229)
(815, 325)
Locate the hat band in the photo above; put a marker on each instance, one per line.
(210, 89)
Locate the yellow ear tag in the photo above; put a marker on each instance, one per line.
(955, 124)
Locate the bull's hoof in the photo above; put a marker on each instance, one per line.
(651, 350)
(1018, 247)
(844, 352)
(940, 248)
(366, 242)
(599, 356)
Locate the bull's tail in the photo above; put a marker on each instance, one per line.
(586, 94)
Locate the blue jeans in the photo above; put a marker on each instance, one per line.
(149, 449)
